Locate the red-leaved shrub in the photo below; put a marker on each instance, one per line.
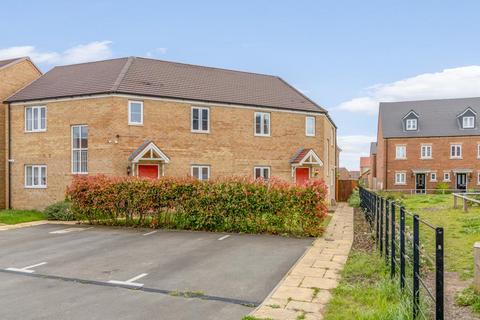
(231, 204)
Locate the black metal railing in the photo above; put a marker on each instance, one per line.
(397, 237)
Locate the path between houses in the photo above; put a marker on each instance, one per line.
(305, 290)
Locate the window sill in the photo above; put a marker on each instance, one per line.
(135, 124)
(35, 131)
(35, 187)
(456, 158)
(400, 158)
(309, 135)
(400, 184)
(79, 173)
(200, 131)
(426, 158)
(261, 135)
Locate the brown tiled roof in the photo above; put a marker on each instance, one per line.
(156, 78)
(3, 63)
(299, 155)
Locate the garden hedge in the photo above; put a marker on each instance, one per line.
(230, 205)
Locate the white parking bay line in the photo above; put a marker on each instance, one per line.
(151, 232)
(130, 282)
(224, 237)
(68, 230)
(28, 268)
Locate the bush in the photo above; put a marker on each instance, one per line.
(230, 205)
(442, 188)
(354, 199)
(59, 211)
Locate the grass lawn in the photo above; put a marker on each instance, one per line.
(19, 216)
(366, 292)
(461, 230)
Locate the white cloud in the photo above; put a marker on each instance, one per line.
(156, 51)
(353, 147)
(449, 83)
(92, 51)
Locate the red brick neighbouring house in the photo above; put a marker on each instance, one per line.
(423, 143)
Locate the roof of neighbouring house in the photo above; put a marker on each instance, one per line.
(354, 175)
(3, 63)
(164, 79)
(436, 118)
(343, 174)
(373, 148)
(9, 62)
(364, 162)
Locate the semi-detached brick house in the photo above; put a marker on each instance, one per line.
(151, 118)
(423, 143)
(15, 74)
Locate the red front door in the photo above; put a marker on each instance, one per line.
(148, 171)
(301, 176)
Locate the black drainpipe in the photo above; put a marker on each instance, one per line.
(9, 158)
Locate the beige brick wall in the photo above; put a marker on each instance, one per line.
(12, 78)
(439, 163)
(230, 148)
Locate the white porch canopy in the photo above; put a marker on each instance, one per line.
(148, 153)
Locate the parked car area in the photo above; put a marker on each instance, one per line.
(94, 272)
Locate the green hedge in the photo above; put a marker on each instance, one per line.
(231, 205)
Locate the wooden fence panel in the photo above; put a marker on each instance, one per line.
(345, 189)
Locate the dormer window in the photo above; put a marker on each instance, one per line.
(468, 122)
(467, 119)
(410, 121)
(411, 124)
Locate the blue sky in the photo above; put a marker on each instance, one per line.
(345, 55)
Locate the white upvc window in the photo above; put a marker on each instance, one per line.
(200, 119)
(446, 176)
(468, 122)
(455, 151)
(400, 152)
(426, 151)
(478, 177)
(135, 113)
(80, 149)
(310, 126)
(262, 124)
(261, 173)
(36, 119)
(35, 176)
(478, 151)
(201, 172)
(433, 177)
(411, 124)
(400, 178)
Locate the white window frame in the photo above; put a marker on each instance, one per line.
(39, 119)
(399, 180)
(458, 147)
(200, 169)
(313, 129)
(39, 168)
(478, 150)
(466, 124)
(478, 178)
(397, 148)
(433, 177)
(134, 123)
(262, 168)
(78, 149)
(411, 124)
(262, 127)
(446, 177)
(426, 155)
(200, 119)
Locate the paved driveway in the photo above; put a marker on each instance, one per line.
(78, 272)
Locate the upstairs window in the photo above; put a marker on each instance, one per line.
(401, 152)
(411, 124)
(262, 124)
(455, 151)
(35, 119)
(135, 112)
(35, 176)
(201, 172)
(200, 120)
(426, 152)
(310, 126)
(79, 149)
(468, 122)
(261, 173)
